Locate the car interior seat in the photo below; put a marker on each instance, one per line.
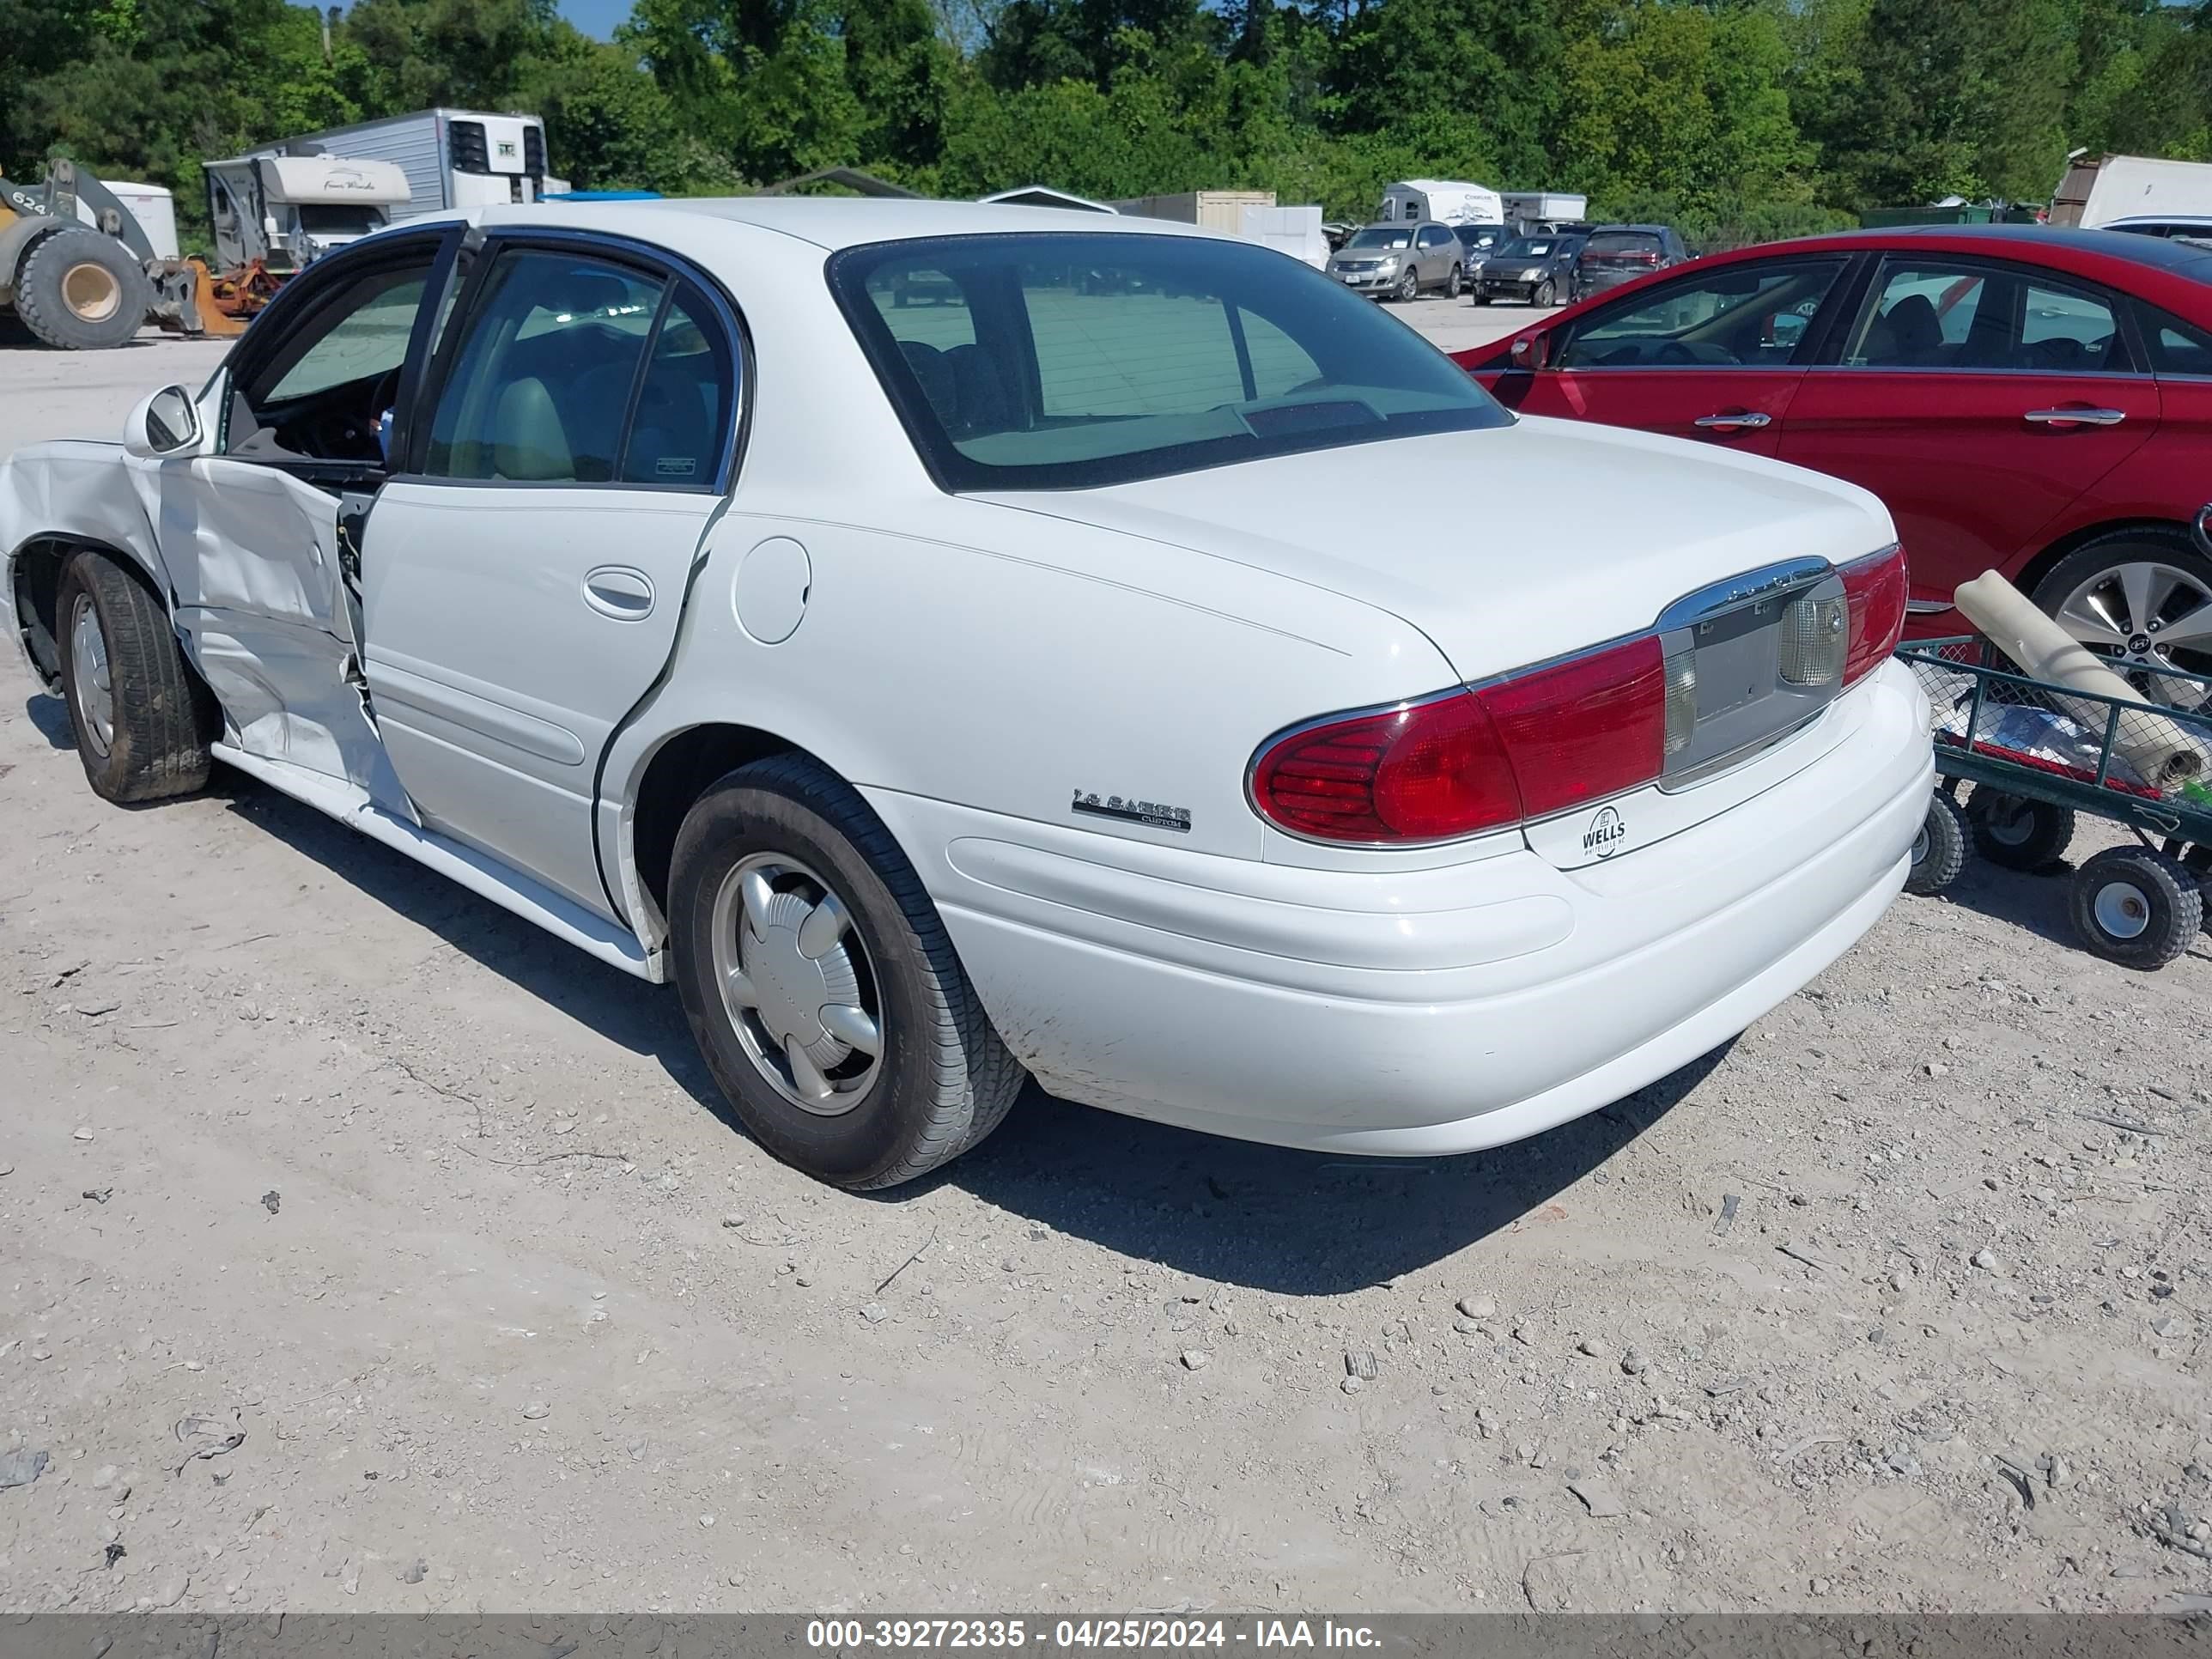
(1909, 335)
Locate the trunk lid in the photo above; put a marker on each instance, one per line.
(1590, 534)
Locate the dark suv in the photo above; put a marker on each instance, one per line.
(1615, 255)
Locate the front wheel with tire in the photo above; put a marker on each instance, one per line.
(820, 984)
(144, 720)
(82, 291)
(1546, 294)
(2018, 833)
(1409, 286)
(2136, 907)
(1480, 298)
(1939, 851)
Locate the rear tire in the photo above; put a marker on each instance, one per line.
(81, 291)
(2017, 833)
(1939, 851)
(2136, 907)
(939, 1080)
(143, 720)
(1452, 282)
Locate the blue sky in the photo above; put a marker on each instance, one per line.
(595, 17)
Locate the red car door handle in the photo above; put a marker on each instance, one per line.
(1745, 420)
(2075, 416)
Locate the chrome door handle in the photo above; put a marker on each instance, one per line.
(1731, 422)
(617, 591)
(2076, 417)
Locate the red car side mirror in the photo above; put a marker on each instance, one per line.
(1531, 352)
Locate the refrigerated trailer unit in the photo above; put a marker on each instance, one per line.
(452, 158)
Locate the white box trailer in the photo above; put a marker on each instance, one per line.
(151, 205)
(452, 158)
(1453, 201)
(1293, 230)
(2101, 189)
(1545, 207)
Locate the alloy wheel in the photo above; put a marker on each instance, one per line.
(797, 984)
(2145, 616)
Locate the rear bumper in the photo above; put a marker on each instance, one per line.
(1416, 1012)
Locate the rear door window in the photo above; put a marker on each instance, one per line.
(1962, 317)
(2175, 346)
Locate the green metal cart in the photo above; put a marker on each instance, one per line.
(2038, 754)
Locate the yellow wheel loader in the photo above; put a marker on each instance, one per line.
(85, 286)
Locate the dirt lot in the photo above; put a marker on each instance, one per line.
(1879, 1309)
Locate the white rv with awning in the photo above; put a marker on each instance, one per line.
(288, 210)
(1452, 201)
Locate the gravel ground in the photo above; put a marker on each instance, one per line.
(367, 1250)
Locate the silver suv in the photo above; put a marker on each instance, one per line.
(1398, 261)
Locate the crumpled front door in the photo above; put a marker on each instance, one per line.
(263, 605)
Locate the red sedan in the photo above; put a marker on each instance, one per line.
(2030, 400)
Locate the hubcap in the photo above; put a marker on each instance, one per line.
(1920, 846)
(90, 677)
(797, 984)
(2146, 618)
(2122, 910)
(91, 292)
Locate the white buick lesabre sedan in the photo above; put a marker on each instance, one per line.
(959, 644)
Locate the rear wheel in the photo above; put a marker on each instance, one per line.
(144, 720)
(2142, 600)
(1939, 851)
(2136, 907)
(2018, 833)
(820, 985)
(81, 291)
(1451, 283)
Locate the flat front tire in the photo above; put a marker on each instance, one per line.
(820, 984)
(142, 720)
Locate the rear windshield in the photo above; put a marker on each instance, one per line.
(1623, 241)
(1381, 236)
(1056, 361)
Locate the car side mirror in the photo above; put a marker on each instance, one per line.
(166, 424)
(1531, 352)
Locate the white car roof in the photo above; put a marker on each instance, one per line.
(828, 223)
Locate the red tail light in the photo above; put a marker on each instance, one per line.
(1875, 590)
(1425, 771)
(1449, 766)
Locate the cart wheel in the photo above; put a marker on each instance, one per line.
(2018, 833)
(1939, 851)
(2136, 907)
